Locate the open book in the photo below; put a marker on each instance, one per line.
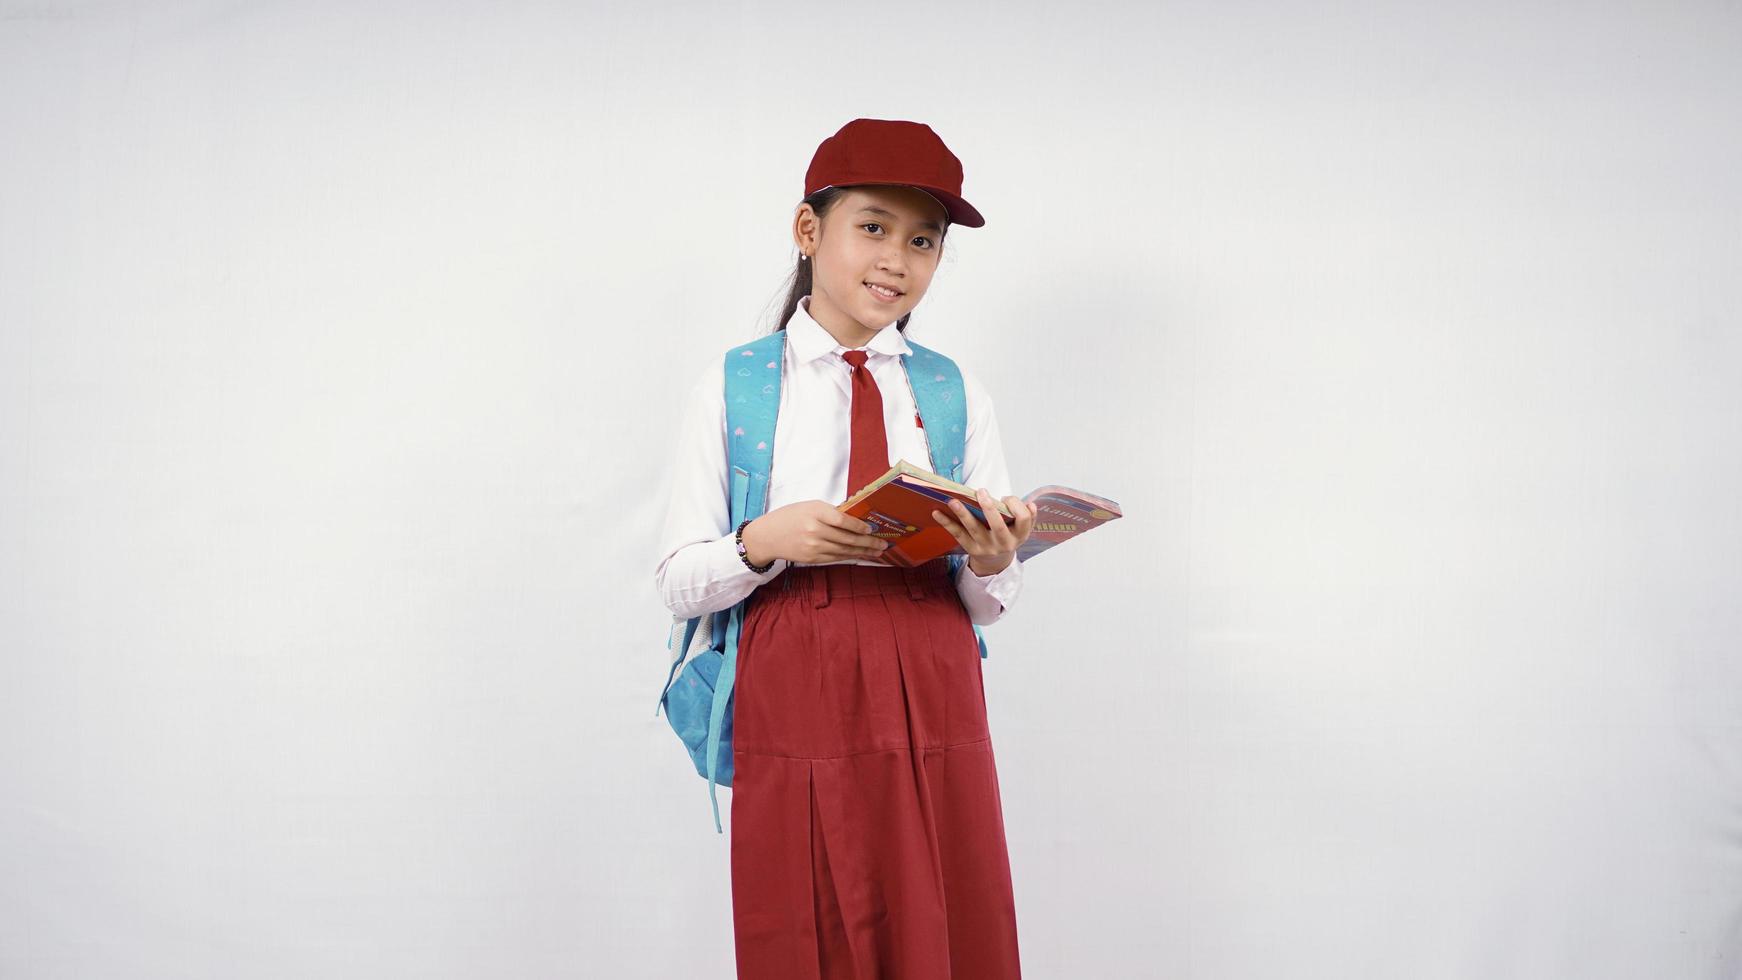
(899, 503)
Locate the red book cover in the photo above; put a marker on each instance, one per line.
(899, 503)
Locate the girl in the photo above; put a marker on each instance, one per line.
(867, 829)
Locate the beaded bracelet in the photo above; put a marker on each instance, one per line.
(744, 555)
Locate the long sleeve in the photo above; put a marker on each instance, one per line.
(699, 569)
(986, 597)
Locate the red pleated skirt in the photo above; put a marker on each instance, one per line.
(867, 830)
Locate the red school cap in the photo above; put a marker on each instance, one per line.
(892, 151)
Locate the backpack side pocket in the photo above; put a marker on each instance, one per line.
(689, 705)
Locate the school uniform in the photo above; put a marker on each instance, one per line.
(867, 828)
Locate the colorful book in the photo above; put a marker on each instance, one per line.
(899, 503)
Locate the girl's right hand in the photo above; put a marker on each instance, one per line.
(811, 532)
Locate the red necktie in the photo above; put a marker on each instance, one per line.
(868, 452)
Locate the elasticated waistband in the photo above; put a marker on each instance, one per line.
(821, 582)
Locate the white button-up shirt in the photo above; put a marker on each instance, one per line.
(699, 568)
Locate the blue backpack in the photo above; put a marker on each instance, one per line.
(699, 704)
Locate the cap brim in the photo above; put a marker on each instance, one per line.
(960, 212)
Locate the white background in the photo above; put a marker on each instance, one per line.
(339, 348)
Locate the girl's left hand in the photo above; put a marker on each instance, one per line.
(990, 547)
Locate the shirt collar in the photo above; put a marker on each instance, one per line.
(810, 341)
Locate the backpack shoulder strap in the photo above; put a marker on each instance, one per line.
(750, 417)
(752, 406)
(752, 393)
(942, 401)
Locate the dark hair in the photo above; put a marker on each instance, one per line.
(822, 202)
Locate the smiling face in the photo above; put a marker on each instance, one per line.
(875, 235)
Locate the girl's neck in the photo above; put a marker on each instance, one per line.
(848, 332)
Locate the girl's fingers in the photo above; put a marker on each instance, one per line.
(971, 528)
(997, 528)
(844, 538)
(952, 527)
(989, 507)
(837, 551)
(835, 518)
(948, 524)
